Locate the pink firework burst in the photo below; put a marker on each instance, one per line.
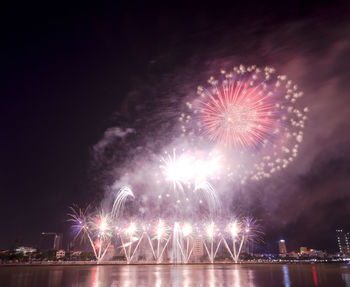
(237, 113)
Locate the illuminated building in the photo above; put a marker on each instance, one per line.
(316, 253)
(343, 241)
(60, 254)
(282, 247)
(303, 250)
(25, 250)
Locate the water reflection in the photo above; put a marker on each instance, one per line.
(236, 278)
(286, 279)
(211, 275)
(314, 275)
(237, 275)
(346, 278)
(158, 277)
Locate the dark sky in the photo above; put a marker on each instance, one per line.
(71, 71)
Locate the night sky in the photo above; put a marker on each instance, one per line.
(72, 72)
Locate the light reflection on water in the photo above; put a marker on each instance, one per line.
(177, 275)
(286, 279)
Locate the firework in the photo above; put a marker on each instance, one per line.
(177, 170)
(161, 229)
(234, 228)
(131, 229)
(237, 114)
(162, 234)
(120, 199)
(210, 230)
(96, 229)
(253, 116)
(79, 219)
(189, 173)
(101, 224)
(241, 231)
(187, 229)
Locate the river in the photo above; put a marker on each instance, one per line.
(177, 275)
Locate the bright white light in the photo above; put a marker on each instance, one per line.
(179, 170)
(131, 229)
(210, 229)
(160, 231)
(186, 229)
(234, 228)
(189, 168)
(103, 225)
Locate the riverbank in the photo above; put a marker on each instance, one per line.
(82, 263)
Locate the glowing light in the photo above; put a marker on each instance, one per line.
(131, 229)
(234, 228)
(187, 229)
(103, 225)
(99, 232)
(160, 229)
(210, 230)
(178, 170)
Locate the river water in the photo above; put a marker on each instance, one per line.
(177, 275)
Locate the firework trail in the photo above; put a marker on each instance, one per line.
(209, 194)
(119, 202)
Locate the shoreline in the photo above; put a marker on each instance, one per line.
(111, 263)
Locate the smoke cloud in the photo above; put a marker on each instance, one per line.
(314, 54)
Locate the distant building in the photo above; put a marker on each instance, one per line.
(282, 247)
(25, 250)
(60, 254)
(303, 250)
(293, 254)
(316, 253)
(110, 253)
(76, 253)
(50, 240)
(198, 248)
(343, 241)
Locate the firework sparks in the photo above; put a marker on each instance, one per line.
(131, 229)
(252, 114)
(79, 219)
(178, 170)
(210, 230)
(98, 231)
(187, 229)
(238, 114)
(161, 230)
(189, 173)
(234, 228)
(120, 199)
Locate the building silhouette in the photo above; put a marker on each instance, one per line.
(50, 240)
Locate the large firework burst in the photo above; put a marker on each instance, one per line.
(252, 115)
(238, 113)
